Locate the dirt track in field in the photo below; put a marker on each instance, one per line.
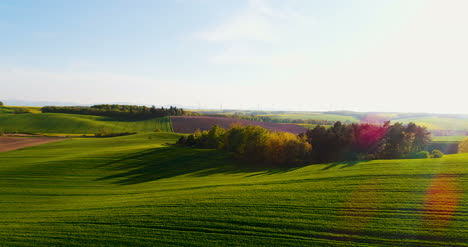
(12, 143)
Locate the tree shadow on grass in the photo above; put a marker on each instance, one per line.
(342, 164)
(171, 161)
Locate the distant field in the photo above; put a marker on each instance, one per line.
(313, 116)
(311, 126)
(448, 138)
(191, 124)
(12, 143)
(438, 123)
(137, 191)
(76, 124)
(456, 123)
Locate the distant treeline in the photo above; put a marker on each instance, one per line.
(119, 111)
(338, 143)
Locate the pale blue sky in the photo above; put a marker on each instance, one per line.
(366, 55)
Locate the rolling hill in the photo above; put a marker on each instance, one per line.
(77, 124)
(138, 191)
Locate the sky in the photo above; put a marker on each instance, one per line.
(308, 55)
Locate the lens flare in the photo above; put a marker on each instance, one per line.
(361, 208)
(441, 201)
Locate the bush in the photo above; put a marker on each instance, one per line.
(182, 140)
(437, 154)
(21, 110)
(418, 155)
(106, 133)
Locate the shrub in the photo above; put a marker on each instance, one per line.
(418, 155)
(107, 133)
(182, 140)
(437, 154)
(21, 110)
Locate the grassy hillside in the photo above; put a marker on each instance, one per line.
(76, 124)
(135, 190)
(438, 122)
(448, 138)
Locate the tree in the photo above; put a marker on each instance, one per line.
(463, 146)
(422, 137)
(215, 137)
(1, 103)
(395, 142)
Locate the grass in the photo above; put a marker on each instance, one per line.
(448, 138)
(136, 190)
(77, 124)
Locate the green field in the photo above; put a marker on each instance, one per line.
(136, 190)
(77, 124)
(312, 116)
(448, 138)
(438, 122)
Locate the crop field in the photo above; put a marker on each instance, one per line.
(77, 124)
(438, 123)
(191, 124)
(448, 138)
(313, 116)
(458, 124)
(139, 191)
(12, 143)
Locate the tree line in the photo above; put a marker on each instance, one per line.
(318, 145)
(118, 111)
(253, 143)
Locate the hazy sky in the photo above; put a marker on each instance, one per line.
(386, 55)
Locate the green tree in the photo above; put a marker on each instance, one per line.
(463, 146)
(215, 137)
(1, 103)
